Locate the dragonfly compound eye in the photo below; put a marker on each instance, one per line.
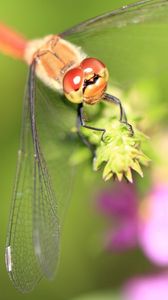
(95, 79)
(87, 82)
(73, 85)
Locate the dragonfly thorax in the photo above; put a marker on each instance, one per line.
(54, 56)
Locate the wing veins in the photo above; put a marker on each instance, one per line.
(113, 13)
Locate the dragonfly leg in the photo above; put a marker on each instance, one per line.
(123, 117)
(82, 137)
(81, 122)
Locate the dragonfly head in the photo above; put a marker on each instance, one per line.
(87, 82)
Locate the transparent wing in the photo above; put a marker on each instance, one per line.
(134, 13)
(132, 40)
(37, 207)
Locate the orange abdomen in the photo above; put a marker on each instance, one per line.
(12, 43)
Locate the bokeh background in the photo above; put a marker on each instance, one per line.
(84, 266)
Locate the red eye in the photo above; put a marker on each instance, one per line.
(92, 65)
(73, 80)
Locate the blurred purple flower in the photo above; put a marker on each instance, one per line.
(119, 204)
(147, 288)
(153, 229)
(137, 222)
(122, 237)
(120, 200)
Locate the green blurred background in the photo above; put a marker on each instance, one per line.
(84, 267)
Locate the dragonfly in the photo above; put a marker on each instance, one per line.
(74, 65)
